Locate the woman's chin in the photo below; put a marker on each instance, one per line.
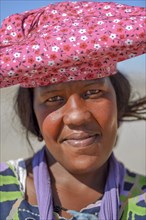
(80, 167)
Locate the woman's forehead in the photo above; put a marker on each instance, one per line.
(63, 85)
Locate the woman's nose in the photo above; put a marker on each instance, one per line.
(76, 112)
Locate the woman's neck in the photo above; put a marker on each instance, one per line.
(63, 178)
(74, 191)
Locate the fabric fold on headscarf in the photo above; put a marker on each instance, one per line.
(111, 199)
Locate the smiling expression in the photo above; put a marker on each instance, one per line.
(78, 121)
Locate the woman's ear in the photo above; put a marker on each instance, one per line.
(116, 141)
(119, 123)
(40, 137)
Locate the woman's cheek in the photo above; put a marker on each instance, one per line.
(51, 125)
(107, 115)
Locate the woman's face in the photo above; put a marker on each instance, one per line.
(78, 121)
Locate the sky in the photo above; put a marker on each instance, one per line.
(12, 6)
(8, 7)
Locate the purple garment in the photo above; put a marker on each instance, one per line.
(43, 186)
(111, 199)
(3, 166)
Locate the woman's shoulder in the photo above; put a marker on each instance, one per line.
(133, 204)
(13, 173)
(12, 180)
(134, 183)
(12, 189)
(134, 180)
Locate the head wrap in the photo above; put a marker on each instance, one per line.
(69, 41)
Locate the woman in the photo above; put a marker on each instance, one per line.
(65, 56)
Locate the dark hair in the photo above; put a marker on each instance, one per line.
(128, 110)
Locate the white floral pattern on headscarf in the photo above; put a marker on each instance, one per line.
(69, 41)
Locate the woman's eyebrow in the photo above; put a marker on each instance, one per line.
(48, 90)
(52, 88)
(98, 82)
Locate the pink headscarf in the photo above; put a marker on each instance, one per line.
(69, 41)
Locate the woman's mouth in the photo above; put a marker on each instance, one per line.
(80, 141)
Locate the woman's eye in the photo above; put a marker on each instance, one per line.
(55, 99)
(92, 93)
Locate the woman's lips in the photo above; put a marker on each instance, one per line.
(82, 141)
